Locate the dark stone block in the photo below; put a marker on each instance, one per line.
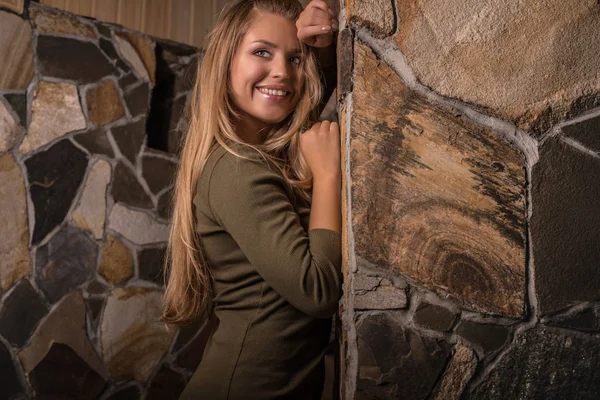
(62, 374)
(150, 264)
(54, 177)
(487, 336)
(96, 142)
(130, 139)
(138, 99)
(108, 48)
(164, 206)
(187, 333)
(547, 364)
(587, 320)
(104, 30)
(96, 288)
(18, 102)
(94, 307)
(65, 262)
(127, 80)
(166, 384)
(345, 62)
(434, 317)
(127, 189)
(158, 172)
(175, 142)
(20, 314)
(11, 386)
(565, 226)
(395, 362)
(126, 393)
(72, 59)
(585, 132)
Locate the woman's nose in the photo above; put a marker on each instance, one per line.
(280, 67)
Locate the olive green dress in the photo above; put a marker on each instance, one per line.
(276, 284)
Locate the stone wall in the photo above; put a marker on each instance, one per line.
(89, 118)
(472, 177)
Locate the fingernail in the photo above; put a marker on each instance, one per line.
(326, 28)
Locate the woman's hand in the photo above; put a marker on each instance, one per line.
(316, 24)
(320, 146)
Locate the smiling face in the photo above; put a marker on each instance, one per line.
(265, 73)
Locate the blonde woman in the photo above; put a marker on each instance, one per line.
(256, 222)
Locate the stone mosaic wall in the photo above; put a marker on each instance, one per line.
(89, 128)
(472, 239)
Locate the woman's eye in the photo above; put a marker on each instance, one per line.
(296, 60)
(262, 53)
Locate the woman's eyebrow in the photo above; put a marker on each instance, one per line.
(270, 44)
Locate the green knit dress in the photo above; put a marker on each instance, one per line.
(276, 284)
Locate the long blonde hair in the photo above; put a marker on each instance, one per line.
(211, 116)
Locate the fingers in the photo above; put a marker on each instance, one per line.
(321, 5)
(308, 32)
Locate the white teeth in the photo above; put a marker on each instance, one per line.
(272, 92)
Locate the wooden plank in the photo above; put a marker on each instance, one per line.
(179, 21)
(129, 13)
(155, 21)
(106, 10)
(80, 7)
(54, 3)
(203, 20)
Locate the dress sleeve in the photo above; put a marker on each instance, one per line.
(247, 198)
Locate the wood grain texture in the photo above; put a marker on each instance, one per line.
(434, 196)
(129, 14)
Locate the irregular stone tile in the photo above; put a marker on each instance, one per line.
(62, 374)
(14, 230)
(14, 5)
(22, 310)
(128, 80)
(458, 373)
(132, 57)
(186, 333)
(164, 206)
(151, 264)
(137, 226)
(10, 131)
(130, 138)
(96, 288)
(586, 132)
(376, 15)
(65, 262)
(487, 336)
(175, 142)
(165, 384)
(532, 75)
(158, 172)
(131, 392)
(94, 308)
(435, 196)
(191, 355)
(164, 122)
(434, 317)
(545, 363)
(565, 226)
(72, 59)
(144, 48)
(137, 100)
(116, 264)
(54, 178)
(11, 387)
(587, 320)
(16, 51)
(104, 30)
(374, 293)
(127, 189)
(395, 362)
(18, 102)
(95, 141)
(90, 214)
(133, 339)
(65, 324)
(55, 111)
(108, 48)
(104, 103)
(51, 20)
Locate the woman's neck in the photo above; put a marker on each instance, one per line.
(250, 130)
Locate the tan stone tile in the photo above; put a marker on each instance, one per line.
(116, 264)
(90, 214)
(434, 196)
(10, 130)
(377, 15)
(144, 48)
(55, 111)
(14, 5)
(15, 51)
(104, 103)
(50, 20)
(14, 246)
